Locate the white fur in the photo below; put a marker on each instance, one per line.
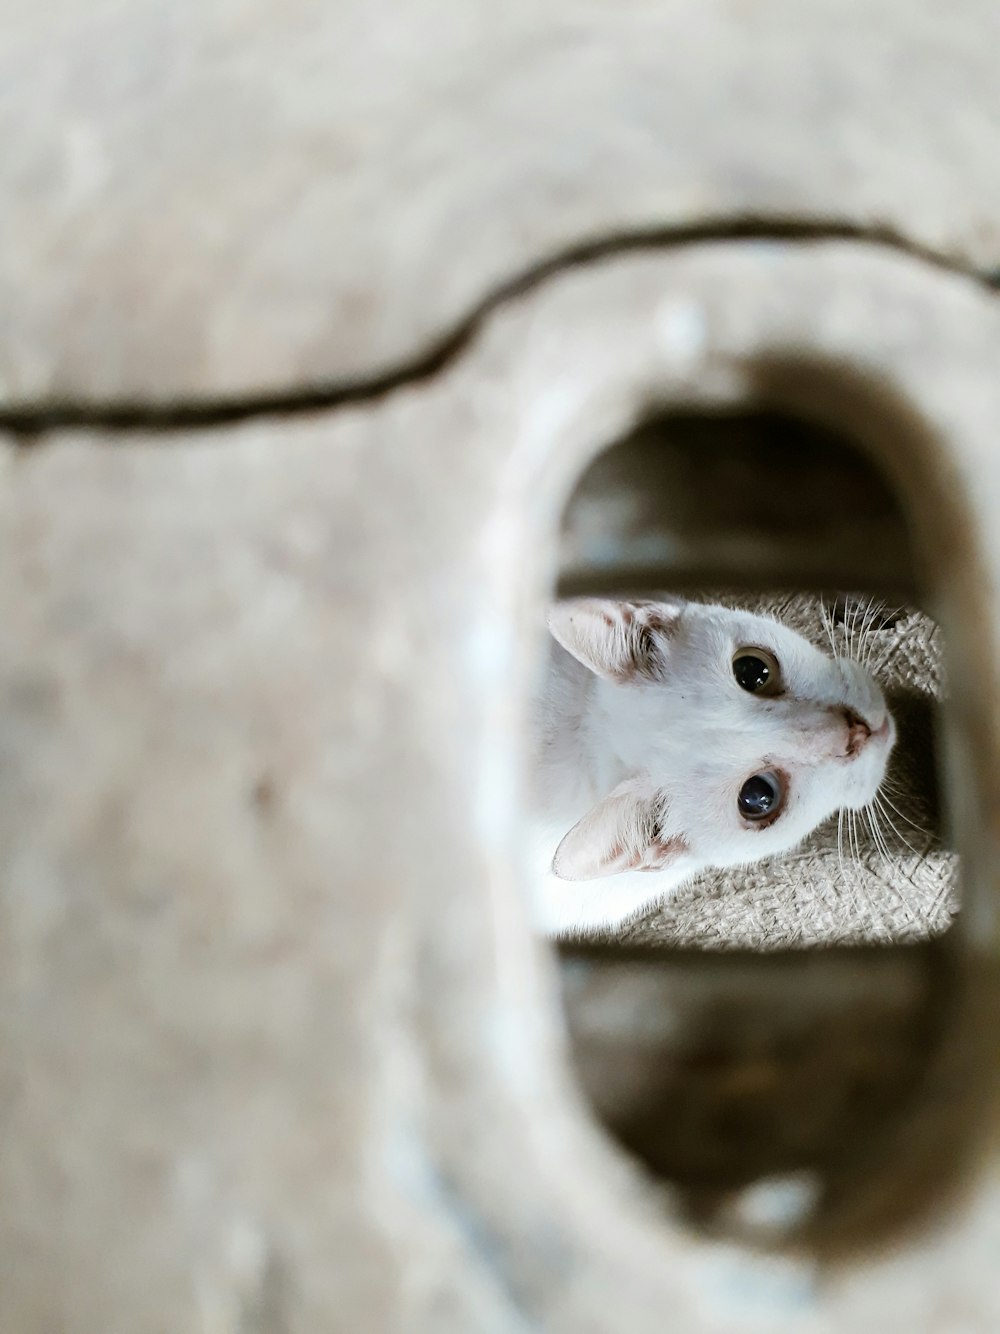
(645, 740)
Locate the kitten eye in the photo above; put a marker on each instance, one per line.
(757, 671)
(761, 797)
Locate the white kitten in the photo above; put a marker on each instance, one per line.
(675, 736)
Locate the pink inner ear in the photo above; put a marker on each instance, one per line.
(617, 640)
(659, 854)
(624, 832)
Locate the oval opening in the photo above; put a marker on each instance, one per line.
(764, 1039)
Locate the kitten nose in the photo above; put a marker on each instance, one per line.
(858, 731)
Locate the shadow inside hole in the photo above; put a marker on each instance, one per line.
(752, 501)
(802, 1069)
(807, 1064)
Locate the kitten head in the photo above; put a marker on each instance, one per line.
(732, 736)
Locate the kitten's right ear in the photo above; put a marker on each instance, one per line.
(619, 641)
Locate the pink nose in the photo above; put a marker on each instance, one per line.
(858, 731)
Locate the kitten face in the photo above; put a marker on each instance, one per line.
(819, 740)
(732, 736)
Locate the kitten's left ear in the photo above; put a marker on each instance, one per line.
(626, 831)
(619, 641)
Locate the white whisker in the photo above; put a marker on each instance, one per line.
(828, 627)
(889, 866)
(892, 805)
(840, 855)
(896, 831)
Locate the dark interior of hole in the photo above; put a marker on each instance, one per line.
(714, 1069)
(749, 500)
(717, 1071)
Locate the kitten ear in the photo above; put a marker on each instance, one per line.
(624, 832)
(618, 641)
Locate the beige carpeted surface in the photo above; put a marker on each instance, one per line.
(901, 887)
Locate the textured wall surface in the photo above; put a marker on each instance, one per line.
(235, 199)
(277, 1050)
